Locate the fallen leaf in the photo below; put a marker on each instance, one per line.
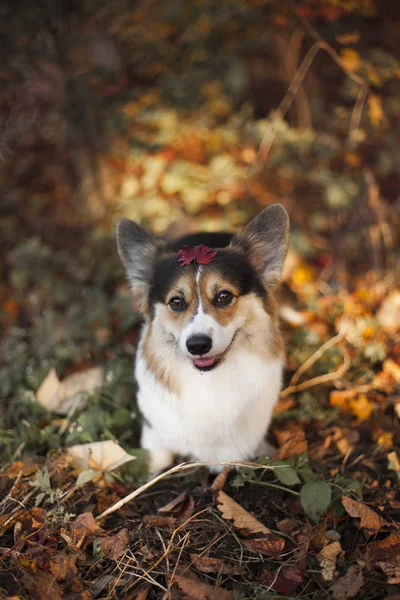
(369, 518)
(175, 505)
(392, 368)
(207, 564)
(285, 581)
(141, 594)
(349, 585)
(196, 590)
(350, 60)
(115, 546)
(219, 482)
(271, 546)
(60, 396)
(83, 529)
(63, 566)
(241, 518)
(348, 38)
(352, 401)
(327, 559)
(375, 110)
(394, 463)
(388, 314)
(160, 521)
(392, 572)
(23, 468)
(42, 585)
(101, 456)
(292, 443)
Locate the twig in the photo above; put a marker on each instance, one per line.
(178, 468)
(286, 102)
(294, 87)
(326, 378)
(310, 361)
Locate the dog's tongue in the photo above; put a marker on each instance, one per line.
(204, 362)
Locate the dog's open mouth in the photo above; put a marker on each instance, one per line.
(206, 363)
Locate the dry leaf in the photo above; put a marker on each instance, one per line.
(101, 456)
(219, 482)
(115, 546)
(142, 594)
(42, 585)
(83, 528)
(387, 555)
(375, 110)
(60, 396)
(394, 462)
(292, 441)
(327, 559)
(369, 518)
(348, 38)
(285, 581)
(176, 504)
(160, 521)
(206, 564)
(196, 590)
(392, 572)
(392, 369)
(271, 546)
(240, 517)
(349, 585)
(388, 314)
(63, 565)
(350, 60)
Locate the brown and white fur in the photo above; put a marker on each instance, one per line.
(210, 358)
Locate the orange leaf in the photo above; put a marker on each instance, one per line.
(271, 546)
(350, 60)
(207, 564)
(369, 518)
(375, 110)
(196, 590)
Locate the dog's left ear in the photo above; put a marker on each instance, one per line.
(265, 241)
(137, 249)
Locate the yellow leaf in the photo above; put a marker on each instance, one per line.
(350, 60)
(348, 38)
(303, 274)
(361, 407)
(375, 110)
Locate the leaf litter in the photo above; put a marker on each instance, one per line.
(319, 517)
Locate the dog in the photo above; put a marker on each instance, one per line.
(210, 357)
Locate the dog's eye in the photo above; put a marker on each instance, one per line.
(177, 303)
(224, 298)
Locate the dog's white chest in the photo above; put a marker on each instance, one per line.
(219, 415)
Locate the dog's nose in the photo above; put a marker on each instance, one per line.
(199, 344)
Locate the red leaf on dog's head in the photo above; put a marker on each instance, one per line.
(200, 254)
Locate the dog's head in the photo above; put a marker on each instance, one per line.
(200, 309)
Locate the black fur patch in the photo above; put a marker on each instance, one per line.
(208, 238)
(166, 272)
(232, 265)
(235, 267)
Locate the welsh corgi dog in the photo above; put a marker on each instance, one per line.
(210, 357)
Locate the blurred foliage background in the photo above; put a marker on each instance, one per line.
(182, 116)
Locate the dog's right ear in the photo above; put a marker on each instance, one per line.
(137, 249)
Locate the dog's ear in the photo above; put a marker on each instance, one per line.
(137, 249)
(265, 241)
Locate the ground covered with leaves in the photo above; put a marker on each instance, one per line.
(188, 117)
